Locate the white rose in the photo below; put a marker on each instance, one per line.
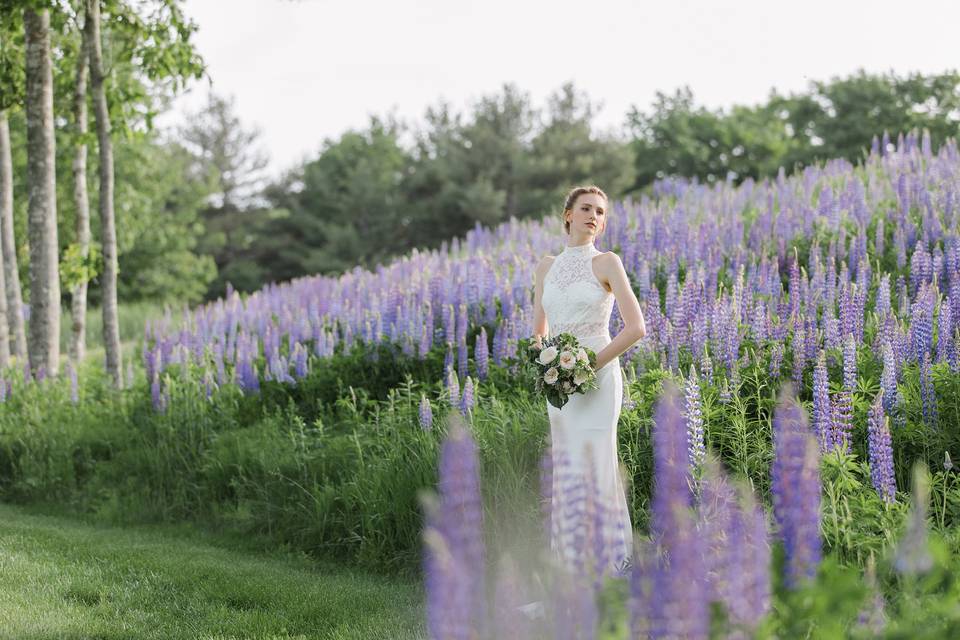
(567, 360)
(580, 377)
(582, 355)
(551, 375)
(547, 355)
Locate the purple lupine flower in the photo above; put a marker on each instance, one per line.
(448, 358)
(706, 366)
(795, 485)
(680, 609)
(913, 554)
(921, 323)
(696, 446)
(841, 422)
(670, 468)
(155, 396)
(449, 323)
(462, 357)
(822, 418)
(928, 395)
(250, 380)
(944, 333)
(716, 508)
(670, 299)
(481, 354)
(794, 292)
(872, 618)
(151, 361)
(847, 321)
(673, 347)
(758, 325)
(903, 298)
(453, 386)
(831, 331)
(953, 355)
(812, 342)
(680, 606)
(921, 268)
(736, 548)
(165, 398)
(750, 597)
(426, 413)
(888, 380)
(882, 306)
(850, 362)
(799, 355)
(881, 452)
(454, 550)
(207, 384)
(466, 399)
(776, 360)
(300, 360)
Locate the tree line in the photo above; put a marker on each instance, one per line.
(375, 193)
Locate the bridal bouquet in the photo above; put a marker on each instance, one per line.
(559, 367)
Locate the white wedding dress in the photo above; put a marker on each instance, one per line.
(575, 302)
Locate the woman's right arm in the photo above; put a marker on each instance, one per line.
(540, 327)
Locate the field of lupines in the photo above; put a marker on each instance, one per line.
(312, 412)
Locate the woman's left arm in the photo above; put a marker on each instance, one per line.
(634, 329)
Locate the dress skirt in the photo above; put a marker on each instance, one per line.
(590, 527)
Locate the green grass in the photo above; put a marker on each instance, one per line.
(63, 578)
(132, 316)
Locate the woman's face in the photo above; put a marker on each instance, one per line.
(589, 209)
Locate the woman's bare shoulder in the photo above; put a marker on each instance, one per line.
(608, 258)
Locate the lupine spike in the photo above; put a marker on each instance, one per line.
(795, 485)
(696, 446)
(881, 452)
(822, 412)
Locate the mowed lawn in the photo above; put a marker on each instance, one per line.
(62, 578)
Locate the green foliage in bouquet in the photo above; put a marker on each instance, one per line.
(558, 367)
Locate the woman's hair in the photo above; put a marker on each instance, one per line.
(575, 193)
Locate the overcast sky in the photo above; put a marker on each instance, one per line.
(308, 70)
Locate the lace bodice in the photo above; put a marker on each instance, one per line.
(573, 299)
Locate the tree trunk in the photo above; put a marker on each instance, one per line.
(78, 297)
(8, 247)
(44, 335)
(6, 202)
(111, 327)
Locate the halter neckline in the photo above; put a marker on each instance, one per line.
(584, 248)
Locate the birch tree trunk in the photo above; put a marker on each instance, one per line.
(78, 297)
(13, 302)
(44, 335)
(6, 202)
(111, 327)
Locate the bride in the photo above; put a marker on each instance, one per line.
(574, 293)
